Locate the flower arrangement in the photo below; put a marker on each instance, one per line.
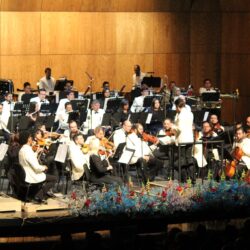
(170, 199)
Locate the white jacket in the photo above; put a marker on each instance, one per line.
(33, 170)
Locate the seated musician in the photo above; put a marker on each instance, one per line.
(47, 82)
(216, 127)
(147, 165)
(94, 117)
(61, 106)
(124, 110)
(207, 87)
(40, 99)
(105, 95)
(120, 135)
(69, 133)
(3, 125)
(157, 116)
(77, 157)
(63, 117)
(243, 143)
(35, 172)
(101, 170)
(137, 105)
(26, 90)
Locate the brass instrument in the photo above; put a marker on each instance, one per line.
(85, 148)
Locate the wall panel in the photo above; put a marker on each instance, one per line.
(21, 5)
(171, 33)
(20, 33)
(21, 69)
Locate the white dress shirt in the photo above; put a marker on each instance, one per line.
(38, 101)
(47, 84)
(137, 105)
(184, 125)
(33, 170)
(78, 159)
(7, 108)
(63, 118)
(119, 137)
(203, 90)
(61, 106)
(94, 119)
(245, 146)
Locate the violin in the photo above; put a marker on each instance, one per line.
(51, 135)
(217, 128)
(106, 146)
(149, 138)
(230, 168)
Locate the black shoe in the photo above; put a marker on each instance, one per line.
(51, 194)
(38, 200)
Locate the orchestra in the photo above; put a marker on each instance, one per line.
(167, 139)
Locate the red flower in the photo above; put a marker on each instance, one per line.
(179, 189)
(132, 194)
(87, 203)
(163, 194)
(118, 199)
(73, 195)
(213, 190)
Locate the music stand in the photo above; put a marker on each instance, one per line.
(13, 123)
(48, 121)
(154, 82)
(119, 151)
(210, 96)
(78, 105)
(112, 104)
(147, 102)
(25, 123)
(171, 114)
(60, 84)
(63, 94)
(106, 119)
(45, 108)
(26, 97)
(116, 119)
(134, 117)
(73, 116)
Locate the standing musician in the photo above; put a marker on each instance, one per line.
(101, 170)
(34, 171)
(77, 157)
(47, 82)
(137, 76)
(147, 165)
(94, 117)
(216, 127)
(137, 105)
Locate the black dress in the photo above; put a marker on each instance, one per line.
(99, 172)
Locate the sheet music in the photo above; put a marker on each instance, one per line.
(61, 153)
(205, 116)
(3, 150)
(94, 96)
(126, 156)
(149, 118)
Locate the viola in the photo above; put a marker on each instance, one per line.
(149, 138)
(230, 168)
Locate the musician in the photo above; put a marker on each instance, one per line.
(3, 126)
(184, 125)
(77, 157)
(137, 76)
(124, 110)
(63, 117)
(26, 90)
(137, 105)
(40, 99)
(184, 99)
(105, 95)
(105, 85)
(120, 135)
(243, 143)
(35, 172)
(99, 133)
(248, 124)
(94, 117)
(61, 106)
(207, 131)
(216, 127)
(101, 170)
(8, 107)
(69, 133)
(147, 165)
(47, 82)
(207, 87)
(157, 116)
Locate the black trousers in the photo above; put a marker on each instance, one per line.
(46, 186)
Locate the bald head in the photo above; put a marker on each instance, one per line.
(127, 126)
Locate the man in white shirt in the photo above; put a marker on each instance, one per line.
(69, 133)
(184, 126)
(34, 171)
(120, 135)
(94, 117)
(3, 126)
(63, 117)
(26, 90)
(40, 99)
(137, 105)
(8, 107)
(61, 107)
(77, 157)
(207, 87)
(47, 82)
